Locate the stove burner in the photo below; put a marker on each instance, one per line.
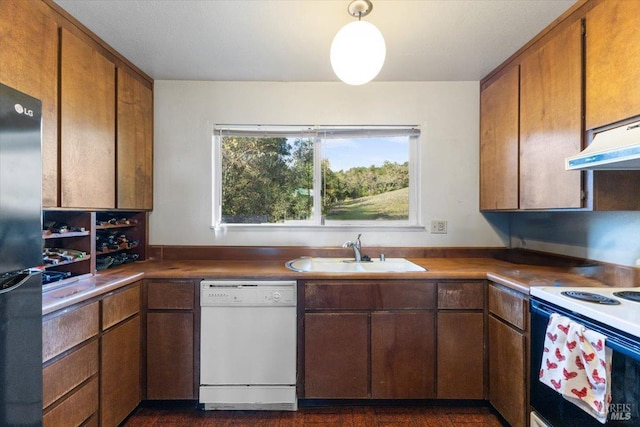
(629, 295)
(590, 297)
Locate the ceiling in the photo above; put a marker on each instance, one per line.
(289, 40)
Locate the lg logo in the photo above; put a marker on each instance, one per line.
(21, 110)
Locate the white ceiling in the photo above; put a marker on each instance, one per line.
(289, 40)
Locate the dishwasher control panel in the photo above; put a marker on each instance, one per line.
(248, 293)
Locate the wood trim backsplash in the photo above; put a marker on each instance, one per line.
(284, 253)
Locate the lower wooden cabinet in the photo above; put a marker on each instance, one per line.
(402, 355)
(394, 339)
(120, 355)
(369, 339)
(460, 340)
(91, 372)
(170, 372)
(171, 341)
(506, 372)
(508, 366)
(70, 373)
(120, 372)
(460, 355)
(76, 408)
(336, 355)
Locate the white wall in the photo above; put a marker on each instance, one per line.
(447, 111)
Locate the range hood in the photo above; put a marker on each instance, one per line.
(614, 149)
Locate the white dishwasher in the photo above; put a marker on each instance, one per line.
(248, 344)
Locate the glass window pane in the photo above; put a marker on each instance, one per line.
(365, 178)
(266, 180)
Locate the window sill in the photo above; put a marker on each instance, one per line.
(315, 227)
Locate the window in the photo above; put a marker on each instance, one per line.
(315, 175)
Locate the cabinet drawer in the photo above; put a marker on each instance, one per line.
(61, 332)
(461, 295)
(119, 306)
(67, 373)
(405, 295)
(508, 306)
(75, 409)
(339, 296)
(170, 295)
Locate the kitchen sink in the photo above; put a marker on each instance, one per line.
(349, 265)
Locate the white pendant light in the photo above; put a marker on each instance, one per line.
(358, 50)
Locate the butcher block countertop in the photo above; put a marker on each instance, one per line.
(515, 276)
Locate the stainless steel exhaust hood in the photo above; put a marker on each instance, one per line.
(613, 149)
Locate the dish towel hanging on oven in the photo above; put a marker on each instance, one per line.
(576, 364)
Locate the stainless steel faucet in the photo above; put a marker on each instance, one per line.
(357, 248)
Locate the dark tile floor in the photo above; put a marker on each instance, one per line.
(347, 416)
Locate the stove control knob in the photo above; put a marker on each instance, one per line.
(276, 296)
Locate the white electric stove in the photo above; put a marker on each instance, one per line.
(609, 306)
(604, 310)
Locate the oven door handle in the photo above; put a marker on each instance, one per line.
(537, 308)
(615, 342)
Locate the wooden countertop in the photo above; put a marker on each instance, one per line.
(515, 276)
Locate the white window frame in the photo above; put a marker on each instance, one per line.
(319, 133)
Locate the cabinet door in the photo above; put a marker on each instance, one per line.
(507, 380)
(551, 122)
(87, 126)
(134, 143)
(29, 37)
(170, 356)
(460, 355)
(336, 355)
(612, 62)
(402, 355)
(499, 109)
(120, 372)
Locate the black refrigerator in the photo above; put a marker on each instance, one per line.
(20, 253)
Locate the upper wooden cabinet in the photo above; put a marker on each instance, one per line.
(539, 96)
(499, 110)
(87, 125)
(134, 143)
(613, 62)
(29, 63)
(551, 122)
(54, 58)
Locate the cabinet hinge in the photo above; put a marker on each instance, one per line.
(583, 195)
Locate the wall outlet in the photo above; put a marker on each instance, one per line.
(438, 227)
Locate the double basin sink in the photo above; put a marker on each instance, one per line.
(349, 265)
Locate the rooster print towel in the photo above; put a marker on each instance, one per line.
(576, 364)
